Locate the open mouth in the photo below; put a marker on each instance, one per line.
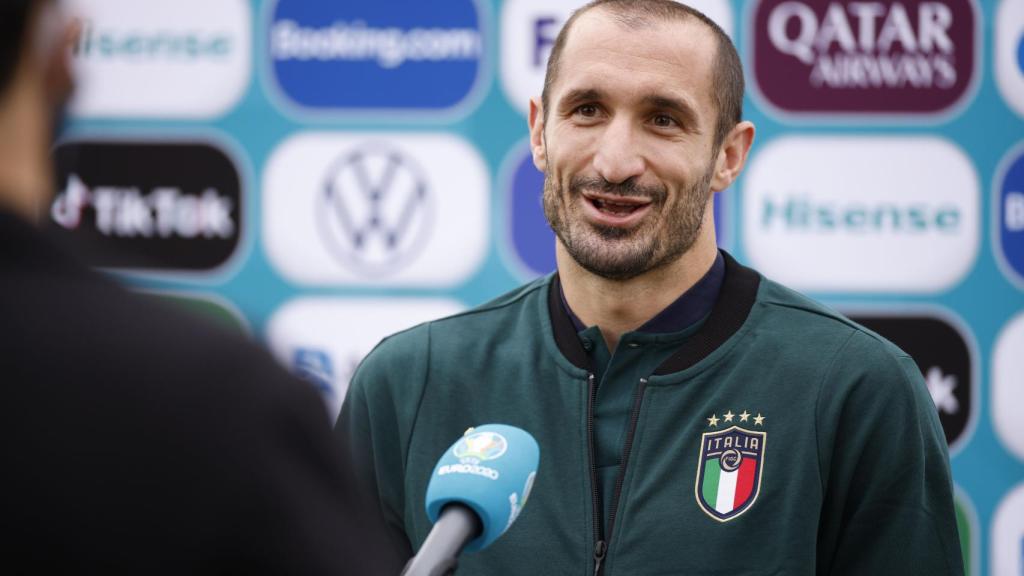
(617, 206)
(616, 211)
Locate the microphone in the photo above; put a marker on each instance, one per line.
(477, 491)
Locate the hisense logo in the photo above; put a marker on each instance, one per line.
(871, 214)
(136, 45)
(802, 213)
(160, 58)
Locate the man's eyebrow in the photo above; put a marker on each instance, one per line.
(579, 95)
(681, 107)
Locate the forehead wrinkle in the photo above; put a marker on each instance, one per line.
(636, 37)
(591, 58)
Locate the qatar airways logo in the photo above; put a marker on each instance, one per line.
(879, 57)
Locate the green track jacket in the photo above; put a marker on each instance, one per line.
(780, 439)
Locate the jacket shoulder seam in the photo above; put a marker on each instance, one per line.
(493, 306)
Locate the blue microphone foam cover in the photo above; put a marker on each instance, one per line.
(490, 469)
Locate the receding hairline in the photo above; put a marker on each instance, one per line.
(628, 18)
(726, 82)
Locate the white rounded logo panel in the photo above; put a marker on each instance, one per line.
(1009, 53)
(160, 58)
(867, 214)
(1008, 535)
(376, 209)
(1008, 386)
(323, 340)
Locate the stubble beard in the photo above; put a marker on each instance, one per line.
(620, 254)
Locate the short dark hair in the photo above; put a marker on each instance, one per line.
(14, 21)
(727, 84)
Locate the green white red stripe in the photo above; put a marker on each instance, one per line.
(724, 490)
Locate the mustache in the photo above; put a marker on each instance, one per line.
(627, 188)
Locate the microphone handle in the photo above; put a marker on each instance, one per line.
(456, 526)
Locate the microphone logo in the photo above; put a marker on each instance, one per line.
(474, 448)
(491, 470)
(481, 446)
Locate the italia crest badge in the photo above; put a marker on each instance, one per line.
(730, 466)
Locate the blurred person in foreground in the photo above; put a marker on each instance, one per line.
(693, 416)
(135, 439)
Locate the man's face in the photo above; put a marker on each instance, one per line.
(626, 144)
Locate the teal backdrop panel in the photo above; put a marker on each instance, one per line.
(332, 172)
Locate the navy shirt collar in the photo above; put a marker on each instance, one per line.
(689, 308)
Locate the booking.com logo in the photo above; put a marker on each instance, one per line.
(386, 55)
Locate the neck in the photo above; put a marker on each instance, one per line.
(25, 179)
(619, 306)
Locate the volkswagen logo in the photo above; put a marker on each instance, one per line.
(375, 209)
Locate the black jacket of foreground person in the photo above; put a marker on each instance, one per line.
(139, 440)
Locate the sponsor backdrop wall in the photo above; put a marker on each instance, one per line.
(321, 174)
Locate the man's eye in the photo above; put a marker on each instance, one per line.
(663, 121)
(587, 110)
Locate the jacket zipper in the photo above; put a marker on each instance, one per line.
(601, 544)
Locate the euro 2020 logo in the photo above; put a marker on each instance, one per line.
(481, 446)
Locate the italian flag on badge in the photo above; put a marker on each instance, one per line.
(729, 471)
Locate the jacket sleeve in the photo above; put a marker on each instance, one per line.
(887, 487)
(262, 490)
(376, 423)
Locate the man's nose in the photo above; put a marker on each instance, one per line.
(618, 157)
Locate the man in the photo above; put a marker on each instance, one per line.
(693, 417)
(136, 440)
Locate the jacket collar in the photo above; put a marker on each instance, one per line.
(739, 290)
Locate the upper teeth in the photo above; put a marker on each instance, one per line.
(616, 204)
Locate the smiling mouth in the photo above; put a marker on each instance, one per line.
(617, 206)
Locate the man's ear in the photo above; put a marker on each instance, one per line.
(732, 155)
(56, 36)
(540, 159)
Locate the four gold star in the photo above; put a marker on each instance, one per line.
(728, 416)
